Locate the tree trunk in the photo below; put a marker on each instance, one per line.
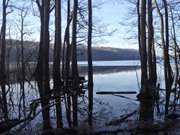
(146, 97)
(22, 81)
(42, 69)
(151, 49)
(143, 47)
(175, 57)
(74, 64)
(2, 61)
(90, 66)
(56, 63)
(68, 48)
(167, 66)
(168, 72)
(139, 27)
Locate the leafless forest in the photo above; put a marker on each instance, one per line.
(64, 25)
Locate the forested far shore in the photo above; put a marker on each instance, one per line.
(98, 53)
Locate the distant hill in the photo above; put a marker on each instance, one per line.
(108, 53)
(98, 53)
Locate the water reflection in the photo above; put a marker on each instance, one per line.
(122, 80)
(108, 69)
(120, 76)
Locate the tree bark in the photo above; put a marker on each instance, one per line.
(67, 64)
(2, 61)
(74, 64)
(143, 46)
(151, 49)
(42, 69)
(165, 44)
(175, 57)
(90, 65)
(56, 63)
(146, 96)
(68, 47)
(168, 72)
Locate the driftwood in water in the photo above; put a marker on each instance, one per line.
(122, 119)
(115, 92)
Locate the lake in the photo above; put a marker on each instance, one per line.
(108, 76)
(114, 80)
(121, 76)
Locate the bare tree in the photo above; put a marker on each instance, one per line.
(67, 61)
(56, 63)
(165, 43)
(174, 37)
(167, 66)
(90, 66)
(151, 62)
(143, 46)
(2, 58)
(75, 76)
(42, 69)
(23, 14)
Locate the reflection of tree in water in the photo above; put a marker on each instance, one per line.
(108, 69)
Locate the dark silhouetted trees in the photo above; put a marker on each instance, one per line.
(2, 59)
(56, 63)
(42, 70)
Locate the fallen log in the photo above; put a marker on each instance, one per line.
(115, 92)
(122, 118)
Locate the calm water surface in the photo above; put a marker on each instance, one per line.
(123, 80)
(109, 106)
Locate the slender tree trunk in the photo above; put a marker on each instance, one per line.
(146, 97)
(68, 48)
(67, 64)
(42, 69)
(90, 66)
(152, 76)
(167, 66)
(168, 72)
(154, 66)
(74, 64)
(139, 27)
(2, 61)
(151, 49)
(143, 46)
(56, 65)
(175, 57)
(22, 63)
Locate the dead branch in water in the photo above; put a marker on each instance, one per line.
(115, 92)
(122, 119)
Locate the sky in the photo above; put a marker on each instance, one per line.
(111, 13)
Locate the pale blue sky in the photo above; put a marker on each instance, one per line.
(110, 14)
